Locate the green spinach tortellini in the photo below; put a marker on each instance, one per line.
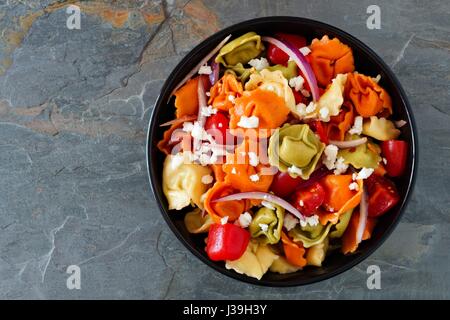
(288, 72)
(240, 50)
(342, 224)
(317, 253)
(310, 235)
(266, 224)
(295, 149)
(362, 156)
(240, 72)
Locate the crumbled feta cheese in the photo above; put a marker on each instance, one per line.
(207, 179)
(188, 126)
(301, 109)
(294, 170)
(400, 123)
(268, 205)
(231, 98)
(353, 186)
(208, 94)
(384, 161)
(259, 64)
(254, 177)
(248, 122)
(297, 83)
(357, 126)
(253, 159)
(305, 51)
(312, 221)
(233, 171)
(220, 124)
(245, 219)
(264, 227)
(330, 152)
(311, 107)
(301, 203)
(324, 114)
(305, 93)
(289, 221)
(354, 175)
(177, 160)
(205, 70)
(377, 78)
(331, 209)
(198, 132)
(224, 220)
(208, 111)
(364, 173)
(340, 166)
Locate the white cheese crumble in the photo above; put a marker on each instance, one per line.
(290, 221)
(324, 114)
(353, 186)
(233, 171)
(305, 51)
(205, 70)
(312, 221)
(400, 123)
(311, 107)
(188, 126)
(224, 220)
(208, 111)
(354, 176)
(364, 173)
(377, 78)
(264, 227)
(207, 179)
(268, 205)
(177, 160)
(357, 126)
(208, 94)
(253, 159)
(384, 161)
(259, 64)
(305, 93)
(245, 219)
(340, 166)
(297, 83)
(330, 152)
(254, 177)
(231, 98)
(294, 170)
(248, 122)
(301, 203)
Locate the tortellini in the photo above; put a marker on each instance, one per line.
(240, 72)
(282, 266)
(295, 149)
(380, 129)
(362, 156)
(182, 182)
(310, 236)
(240, 50)
(273, 81)
(288, 72)
(342, 225)
(267, 224)
(255, 261)
(196, 222)
(316, 254)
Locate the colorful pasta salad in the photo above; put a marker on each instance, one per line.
(281, 152)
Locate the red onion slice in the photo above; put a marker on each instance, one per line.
(201, 63)
(363, 212)
(349, 143)
(302, 63)
(179, 120)
(263, 196)
(214, 76)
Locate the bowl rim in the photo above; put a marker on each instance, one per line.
(217, 36)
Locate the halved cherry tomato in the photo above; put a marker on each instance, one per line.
(308, 200)
(395, 152)
(318, 127)
(283, 185)
(217, 125)
(277, 56)
(226, 241)
(382, 195)
(299, 98)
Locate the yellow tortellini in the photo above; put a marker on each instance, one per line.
(317, 253)
(282, 266)
(182, 182)
(255, 261)
(288, 72)
(362, 156)
(240, 50)
(331, 100)
(196, 222)
(380, 129)
(272, 81)
(342, 224)
(310, 235)
(295, 149)
(272, 220)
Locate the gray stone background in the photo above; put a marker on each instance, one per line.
(74, 107)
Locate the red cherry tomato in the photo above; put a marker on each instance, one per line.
(226, 241)
(318, 127)
(308, 200)
(217, 126)
(277, 56)
(395, 152)
(382, 195)
(299, 98)
(283, 185)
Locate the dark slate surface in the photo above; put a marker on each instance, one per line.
(74, 106)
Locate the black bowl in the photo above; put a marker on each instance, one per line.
(366, 62)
